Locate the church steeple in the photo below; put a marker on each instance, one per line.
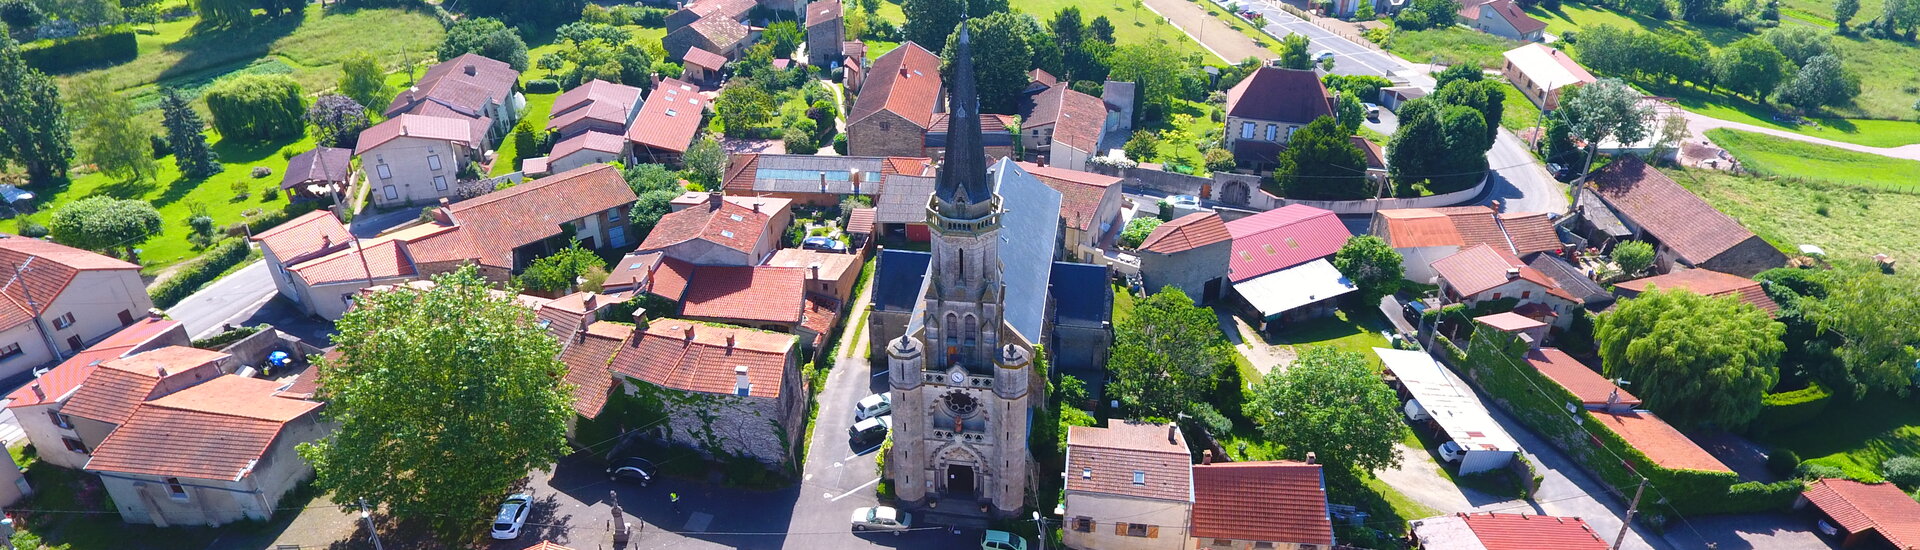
(963, 183)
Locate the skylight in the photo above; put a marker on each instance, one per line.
(1139, 477)
(671, 112)
(727, 234)
(736, 217)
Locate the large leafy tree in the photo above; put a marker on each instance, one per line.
(337, 120)
(1633, 256)
(1877, 352)
(104, 223)
(1167, 355)
(1750, 66)
(649, 209)
(1331, 402)
(1293, 52)
(785, 36)
(1695, 360)
(111, 137)
(559, 271)
(1155, 71)
(743, 107)
(234, 12)
(930, 22)
(1321, 163)
(1001, 57)
(444, 398)
(706, 161)
(1844, 10)
(1605, 109)
(1819, 83)
(33, 121)
(257, 107)
(362, 79)
(186, 135)
(487, 37)
(1372, 264)
(1485, 96)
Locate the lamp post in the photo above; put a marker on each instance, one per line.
(1041, 525)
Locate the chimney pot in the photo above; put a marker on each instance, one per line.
(689, 332)
(640, 318)
(730, 343)
(1173, 435)
(1313, 457)
(588, 302)
(580, 335)
(1513, 273)
(162, 369)
(813, 270)
(1206, 457)
(39, 392)
(713, 200)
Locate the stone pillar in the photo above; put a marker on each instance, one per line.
(908, 462)
(1011, 390)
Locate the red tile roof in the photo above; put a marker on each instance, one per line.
(1376, 156)
(420, 126)
(1077, 118)
(1080, 192)
(589, 356)
(730, 225)
(316, 232)
(704, 59)
(1530, 233)
(861, 220)
(1186, 233)
(589, 141)
(1582, 382)
(1506, 9)
(1280, 95)
(610, 113)
(905, 81)
(1707, 283)
(492, 225)
(216, 430)
(1678, 218)
(46, 268)
(1662, 444)
(320, 164)
(1860, 507)
(1284, 502)
(1107, 460)
(117, 386)
(1508, 321)
(670, 117)
(1281, 238)
(726, 8)
(747, 293)
(1462, 226)
(69, 374)
(653, 273)
(1523, 532)
(689, 356)
(448, 83)
(1483, 267)
(383, 259)
(820, 315)
(595, 92)
(1043, 78)
(825, 11)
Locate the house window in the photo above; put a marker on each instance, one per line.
(1246, 130)
(60, 420)
(1270, 545)
(1496, 295)
(433, 162)
(175, 489)
(385, 173)
(1524, 294)
(613, 215)
(63, 321)
(126, 317)
(74, 445)
(1136, 529)
(1290, 130)
(1273, 132)
(10, 350)
(440, 183)
(1221, 542)
(1083, 524)
(392, 193)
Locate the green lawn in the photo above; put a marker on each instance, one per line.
(1191, 122)
(1871, 133)
(538, 107)
(1857, 436)
(1133, 23)
(1849, 222)
(1786, 158)
(1449, 46)
(1889, 80)
(1571, 17)
(1345, 330)
(1516, 111)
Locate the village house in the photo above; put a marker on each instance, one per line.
(1063, 128)
(1704, 282)
(1191, 253)
(1090, 210)
(901, 211)
(1425, 235)
(60, 299)
(718, 26)
(666, 123)
(1484, 273)
(1266, 107)
(1865, 515)
(702, 68)
(1574, 280)
(1129, 486)
(1543, 73)
(1685, 230)
(768, 298)
(826, 32)
(996, 136)
(734, 392)
(482, 92)
(588, 148)
(854, 66)
(828, 273)
(1280, 266)
(416, 159)
(1259, 505)
(597, 105)
(1502, 18)
(721, 230)
(321, 172)
(896, 104)
(813, 180)
(37, 405)
(111, 392)
(1497, 531)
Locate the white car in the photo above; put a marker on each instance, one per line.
(1450, 451)
(873, 405)
(881, 518)
(1322, 56)
(512, 517)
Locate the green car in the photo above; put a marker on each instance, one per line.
(1002, 540)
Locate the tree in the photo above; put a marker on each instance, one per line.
(742, 107)
(111, 137)
(1137, 231)
(1419, 146)
(1330, 402)
(799, 141)
(33, 121)
(1351, 113)
(1293, 52)
(1166, 355)
(102, 223)
(582, 31)
(1365, 12)
(785, 37)
(1673, 132)
(1485, 96)
(929, 22)
(1219, 160)
(1144, 146)
(1067, 25)
(1373, 266)
(1101, 29)
(1458, 72)
(1607, 108)
(705, 162)
(1156, 73)
(21, 14)
(648, 210)
(552, 61)
(412, 434)
(526, 140)
(559, 271)
(543, 14)
(1843, 11)
(487, 37)
(1798, 43)
(1695, 360)
(1819, 83)
(1001, 58)
(636, 65)
(362, 79)
(1633, 257)
(645, 177)
(1321, 163)
(1749, 66)
(185, 133)
(84, 13)
(337, 120)
(257, 107)
(1878, 354)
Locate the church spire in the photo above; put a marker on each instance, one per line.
(963, 175)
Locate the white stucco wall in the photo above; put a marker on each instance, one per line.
(412, 176)
(1108, 511)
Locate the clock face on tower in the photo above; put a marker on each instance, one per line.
(957, 376)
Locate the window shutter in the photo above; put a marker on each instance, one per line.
(1153, 531)
(1120, 529)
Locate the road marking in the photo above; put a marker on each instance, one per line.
(828, 496)
(869, 483)
(808, 477)
(839, 464)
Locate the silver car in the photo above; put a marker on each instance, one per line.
(881, 518)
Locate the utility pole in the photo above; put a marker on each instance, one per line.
(1042, 525)
(34, 308)
(1632, 508)
(371, 533)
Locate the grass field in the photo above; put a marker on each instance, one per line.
(1849, 222)
(1785, 158)
(538, 107)
(1449, 46)
(1571, 17)
(1133, 23)
(1358, 333)
(1516, 111)
(1856, 436)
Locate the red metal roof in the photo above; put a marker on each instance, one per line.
(747, 293)
(1186, 233)
(1707, 283)
(699, 357)
(69, 374)
(670, 117)
(215, 430)
(1582, 382)
(1860, 507)
(1523, 532)
(905, 81)
(1281, 238)
(1282, 502)
(1662, 444)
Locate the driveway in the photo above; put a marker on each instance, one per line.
(1519, 181)
(1699, 124)
(234, 297)
(1748, 532)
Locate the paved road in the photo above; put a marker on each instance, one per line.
(234, 297)
(1349, 58)
(1519, 181)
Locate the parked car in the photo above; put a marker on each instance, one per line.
(1414, 411)
(1562, 172)
(1413, 310)
(879, 404)
(881, 518)
(1373, 111)
(1450, 451)
(872, 430)
(1002, 540)
(823, 242)
(512, 517)
(634, 468)
(1322, 56)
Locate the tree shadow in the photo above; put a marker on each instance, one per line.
(177, 190)
(126, 189)
(208, 46)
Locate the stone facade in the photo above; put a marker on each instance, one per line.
(885, 134)
(147, 499)
(769, 431)
(1199, 272)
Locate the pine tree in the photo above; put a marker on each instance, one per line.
(190, 151)
(33, 123)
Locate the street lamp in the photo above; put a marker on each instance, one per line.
(1042, 527)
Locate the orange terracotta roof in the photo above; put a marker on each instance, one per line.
(1707, 283)
(118, 386)
(727, 224)
(1108, 460)
(589, 357)
(905, 81)
(1080, 192)
(1462, 226)
(670, 117)
(704, 59)
(1530, 233)
(1524, 532)
(1276, 501)
(1859, 507)
(46, 269)
(698, 357)
(747, 293)
(820, 315)
(69, 374)
(458, 130)
(1187, 233)
(861, 220)
(315, 232)
(215, 430)
(384, 259)
(1585, 384)
(1662, 444)
(1484, 267)
(492, 225)
(1077, 118)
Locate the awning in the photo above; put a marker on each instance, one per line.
(1281, 291)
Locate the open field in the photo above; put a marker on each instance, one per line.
(1571, 17)
(1516, 111)
(1786, 158)
(1856, 436)
(1449, 46)
(1851, 223)
(1133, 23)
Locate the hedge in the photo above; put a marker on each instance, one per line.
(1786, 410)
(218, 259)
(542, 86)
(224, 339)
(80, 52)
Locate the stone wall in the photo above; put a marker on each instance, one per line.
(1231, 187)
(252, 351)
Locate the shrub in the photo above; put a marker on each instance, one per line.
(221, 340)
(1782, 462)
(257, 107)
(1758, 497)
(1786, 410)
(1810, 470)
(1137, 231)
(543, 86)
(32, 230)
(70, 54)
(1903, 471)
(190, 278)
(840, 144)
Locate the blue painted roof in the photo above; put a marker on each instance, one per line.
(1081, 293)
(897, 275)
(1029, 237)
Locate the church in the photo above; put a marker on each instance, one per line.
(959, 327)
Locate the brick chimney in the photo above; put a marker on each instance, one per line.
(162, 369)
(38, 392)
(689, 331)
(1313, 457)
(588, 302)
(639, 319)
(1206, 457)
(445, 212)
(730, 343)
(1173, 434)
(813, 271)
(713, 200)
